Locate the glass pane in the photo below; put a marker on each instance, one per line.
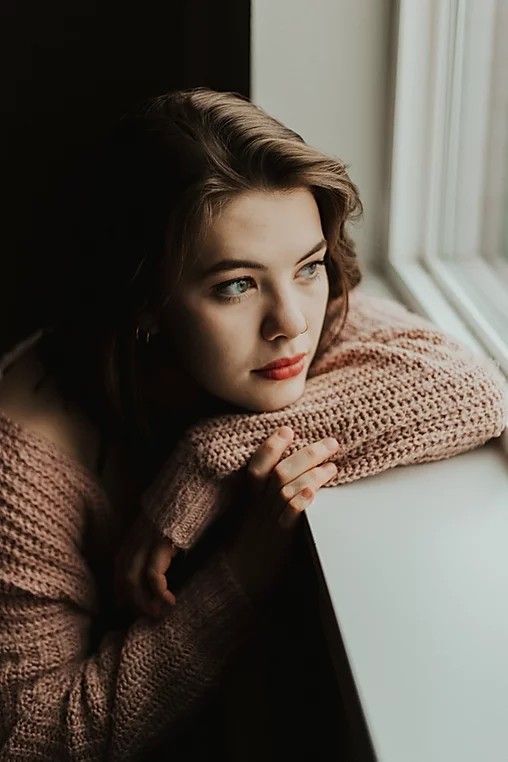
(495, 217)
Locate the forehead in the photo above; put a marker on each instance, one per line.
(263, 225)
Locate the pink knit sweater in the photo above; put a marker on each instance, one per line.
(393, 389)
(390, 387)
(62, 696)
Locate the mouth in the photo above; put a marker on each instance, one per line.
(282, 369)
(283, 362)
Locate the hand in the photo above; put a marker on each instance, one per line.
(140, 568)
(281, 489)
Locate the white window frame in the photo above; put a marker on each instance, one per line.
(422, 63)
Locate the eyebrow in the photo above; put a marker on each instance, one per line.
(232, 264)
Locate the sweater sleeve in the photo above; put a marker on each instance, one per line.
(394, 390)
(60, 698)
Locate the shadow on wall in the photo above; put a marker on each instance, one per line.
(68, 72)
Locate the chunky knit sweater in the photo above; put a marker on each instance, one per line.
(389, 386)
(74, 684)
(77, 682)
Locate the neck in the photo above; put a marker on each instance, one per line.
(174, 399)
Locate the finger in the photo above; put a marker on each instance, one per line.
(315, 478)
(303, 460)
(157, 564)
(134, 580)
(157, 607)
(267, 456)
(299, 494)
(291, 512)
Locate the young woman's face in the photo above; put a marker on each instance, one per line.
(230, 319)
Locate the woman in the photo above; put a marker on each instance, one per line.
(145, 335)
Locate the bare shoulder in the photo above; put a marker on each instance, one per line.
(41, 409)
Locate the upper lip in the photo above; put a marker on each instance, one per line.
(282, 362)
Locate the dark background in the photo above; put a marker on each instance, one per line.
(69, 70)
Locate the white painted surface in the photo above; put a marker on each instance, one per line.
(416, 563)
(437, 157)
(377, 285)
(321, 67)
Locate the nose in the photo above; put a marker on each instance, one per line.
(284, 317)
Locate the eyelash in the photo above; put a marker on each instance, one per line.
(321, 263)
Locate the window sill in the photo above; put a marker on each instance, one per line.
(414, 579)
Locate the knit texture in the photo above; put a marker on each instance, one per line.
(389, 386)
(62, 696)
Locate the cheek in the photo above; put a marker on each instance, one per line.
(208, 334)
(326, 287)
(321, 301)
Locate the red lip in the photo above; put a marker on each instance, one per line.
(283, 362)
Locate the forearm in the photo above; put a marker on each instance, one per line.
(138, 687)
(394, 391)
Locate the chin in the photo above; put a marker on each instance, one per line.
(274, 400)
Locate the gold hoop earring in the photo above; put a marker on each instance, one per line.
(142, 334)
(145, 333)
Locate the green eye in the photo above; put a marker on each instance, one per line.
(219, 290)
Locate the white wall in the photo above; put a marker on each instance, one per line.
(321, 67)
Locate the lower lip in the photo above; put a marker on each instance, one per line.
(279, 374)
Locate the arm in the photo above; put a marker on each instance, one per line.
(394, 390)
(58, 700)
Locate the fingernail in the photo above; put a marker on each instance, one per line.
(331, 443)
(285, 432)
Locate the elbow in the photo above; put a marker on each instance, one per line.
(482, 395)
